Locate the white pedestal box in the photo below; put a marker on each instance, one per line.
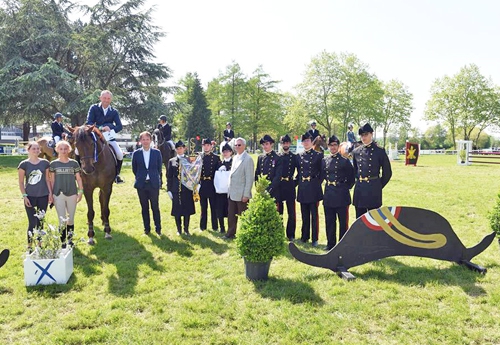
(48, 271)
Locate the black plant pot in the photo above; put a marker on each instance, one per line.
(257, 270)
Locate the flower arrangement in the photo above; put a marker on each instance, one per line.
(49, 242)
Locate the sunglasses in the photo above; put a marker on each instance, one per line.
(238, 145)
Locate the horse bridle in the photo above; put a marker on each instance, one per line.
(95, 153)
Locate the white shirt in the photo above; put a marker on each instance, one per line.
(146, 155)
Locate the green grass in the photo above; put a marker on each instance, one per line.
(137, 289)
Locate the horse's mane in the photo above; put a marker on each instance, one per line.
(81, 133)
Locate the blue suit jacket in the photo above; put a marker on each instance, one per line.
(111, 119)
(154, 171)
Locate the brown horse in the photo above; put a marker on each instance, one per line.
(99, 171)
(164, 147)
(319, 143)
(49, 153)
(345, 148)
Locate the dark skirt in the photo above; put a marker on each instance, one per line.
(221, 205)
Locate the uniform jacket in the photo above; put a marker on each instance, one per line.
(166, 130)
(182, 202)
(287, 182)
(269, 165)
(57, 129)
(314, 133)
(368, 161)
(338, 174)
(154, 169)
(241, 177)
(309, 176)
(210, 164)
(111, 119)
(228, 133)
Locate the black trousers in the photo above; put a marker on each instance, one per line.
(149, 196)
(291, 222)
(310, 226)
(331, 216)
(37, 204)
(204, 213)
(178, 223)
(362, 210)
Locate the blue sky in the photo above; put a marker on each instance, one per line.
(412, 41)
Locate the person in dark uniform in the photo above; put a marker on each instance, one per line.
(166, 130)
(338, 174)
(287, 185)
(107, 118)
(181, 196)
(207, 189)
(228, 132)
(57, 128)
(269, 165)
(368, 159)
(313, 131)
(221, 202)
(309, 191)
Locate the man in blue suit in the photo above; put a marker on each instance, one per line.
(147, 168)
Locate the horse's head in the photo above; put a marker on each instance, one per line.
(87, 139)
(319, 143)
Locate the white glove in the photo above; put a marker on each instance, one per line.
(222, 168)
(170, 195)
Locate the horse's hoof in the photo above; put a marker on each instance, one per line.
(107, 236)
(91, 241)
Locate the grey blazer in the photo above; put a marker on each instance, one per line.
(241, 178)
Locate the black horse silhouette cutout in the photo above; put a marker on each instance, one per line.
(392, 231)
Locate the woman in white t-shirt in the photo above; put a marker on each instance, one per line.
(35, 186)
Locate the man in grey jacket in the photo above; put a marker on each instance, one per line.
(240, 185)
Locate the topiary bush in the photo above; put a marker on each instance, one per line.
(261, 235)
(494, 216)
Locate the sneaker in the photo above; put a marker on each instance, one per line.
(118, 180)
(179, 233)
(187, 233)
(314, 244)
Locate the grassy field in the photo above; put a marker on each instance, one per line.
(139, 289)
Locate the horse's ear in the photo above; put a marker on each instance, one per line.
(71, 129)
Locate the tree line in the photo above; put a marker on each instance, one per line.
(52, 63)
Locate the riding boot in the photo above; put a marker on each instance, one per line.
(71, 231)
(118, 179)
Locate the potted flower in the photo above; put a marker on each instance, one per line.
(51, 260)
(494, 217)
(261, 235)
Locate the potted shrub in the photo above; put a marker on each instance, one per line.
(494, 216)
(51, 261)
(261, 235)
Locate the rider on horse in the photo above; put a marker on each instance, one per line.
(166, 130)
(228, 133)
(107, 118)
(57, 130)
(313, 131)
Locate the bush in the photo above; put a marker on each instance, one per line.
(494, 216)
(261, 235)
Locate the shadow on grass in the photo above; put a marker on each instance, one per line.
(206, 242)
(291, 290)
(125, 253)
(390, 269)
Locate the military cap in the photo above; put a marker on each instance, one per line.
(365, 129)
(226, 147)
(333, 139)
(306, 135)
(206, 141)
(285, 139)
(179, 144)
(266, 138)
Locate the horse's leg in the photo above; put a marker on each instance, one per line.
(90, 213)
(104, 197)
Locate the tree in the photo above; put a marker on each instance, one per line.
(397, 107)
(463, 102)
(194, 109)
(338, 89)
(50, 63)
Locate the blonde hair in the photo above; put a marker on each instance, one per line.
(63, 142)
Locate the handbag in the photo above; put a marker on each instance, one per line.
(221, 182)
